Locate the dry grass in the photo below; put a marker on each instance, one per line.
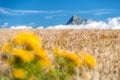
(103, 44)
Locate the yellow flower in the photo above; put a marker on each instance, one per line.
(41, 52)
(7, 48)
(73, 57)
(27, 38)
(44, 58)
(19, 74)
(26, 56)
(45, 62)
(89, 59)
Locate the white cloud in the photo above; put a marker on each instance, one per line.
(40, 27)
(112, 23)
(102, 13)
(23, 12)
(25, 27)
(5, 25)
(21, 27)
(5, 11)
(98, 11)
(28, 11)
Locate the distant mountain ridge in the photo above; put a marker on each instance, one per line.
(75, 20)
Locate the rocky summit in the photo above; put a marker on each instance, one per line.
(75, 20)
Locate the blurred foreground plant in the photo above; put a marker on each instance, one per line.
(29, 61)
(68, 62)
(26, 56)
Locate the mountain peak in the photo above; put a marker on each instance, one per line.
(75, 17)
(75, 20)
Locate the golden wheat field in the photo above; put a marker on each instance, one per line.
(104, 45)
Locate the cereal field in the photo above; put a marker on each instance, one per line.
(104, 45)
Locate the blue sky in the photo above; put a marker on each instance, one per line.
(54, 12)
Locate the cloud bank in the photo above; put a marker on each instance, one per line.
(111, 23)
(21, 27)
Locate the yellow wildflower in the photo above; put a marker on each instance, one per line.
(41, 52)
(7, 48)
(26, 56)
(27, 38)
(44, 58)
(19, 74)
(89, 59)
(73, 57)
(45, 62)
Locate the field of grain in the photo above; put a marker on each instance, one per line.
(104, 45)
